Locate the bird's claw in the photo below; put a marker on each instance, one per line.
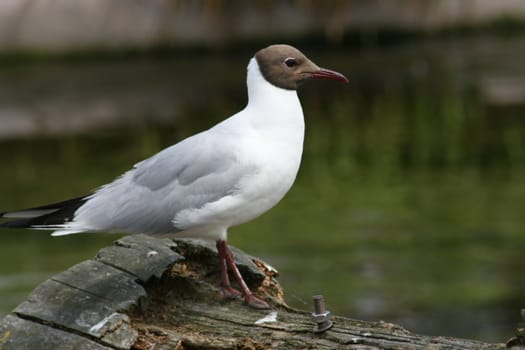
(256, 303)
(230, 293)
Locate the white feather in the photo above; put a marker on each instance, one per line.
(205, 184)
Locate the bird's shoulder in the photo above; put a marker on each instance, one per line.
(203, 154)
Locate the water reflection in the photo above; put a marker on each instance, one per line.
(407, 208)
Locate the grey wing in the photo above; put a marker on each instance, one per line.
(187, 175)
(185, 162)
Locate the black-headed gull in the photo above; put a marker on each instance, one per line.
(201, 186)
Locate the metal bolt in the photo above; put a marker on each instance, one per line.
(320, 316)
(520, 330)
(518, 342)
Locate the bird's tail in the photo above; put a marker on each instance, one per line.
(49, 217)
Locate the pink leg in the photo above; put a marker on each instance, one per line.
(226, 260)
(227, 289)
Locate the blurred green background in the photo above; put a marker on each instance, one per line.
(409, 203)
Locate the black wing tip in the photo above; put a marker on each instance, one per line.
(21, 223)
(61, 212)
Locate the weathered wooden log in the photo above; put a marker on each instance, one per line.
(146, 293)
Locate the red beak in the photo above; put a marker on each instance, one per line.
(328, 74)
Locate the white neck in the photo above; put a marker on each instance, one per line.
(276, 114)
(266, 96)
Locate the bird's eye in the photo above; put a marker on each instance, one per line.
(290, 62)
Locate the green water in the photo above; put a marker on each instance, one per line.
(408, 206)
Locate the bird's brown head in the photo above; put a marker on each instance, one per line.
(286, 67)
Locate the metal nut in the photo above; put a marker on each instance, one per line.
(321, 327)
(319, 318)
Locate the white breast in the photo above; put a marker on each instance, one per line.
(269, 134)
(262, 146)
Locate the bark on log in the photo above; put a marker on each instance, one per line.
(145, 293)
